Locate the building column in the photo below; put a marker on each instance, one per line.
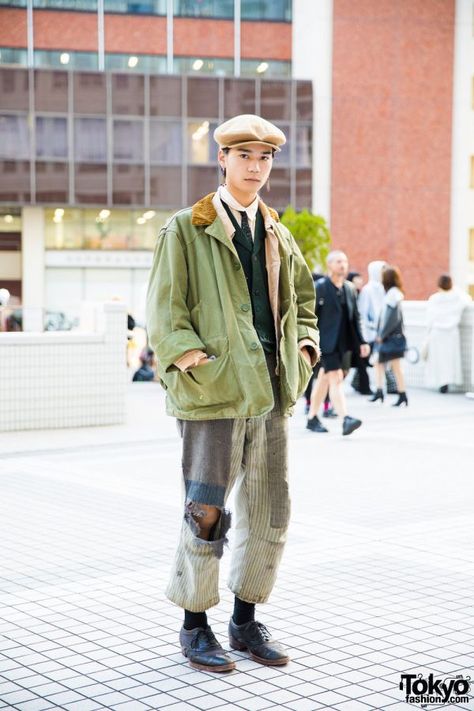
(312, 59)
(462, 193)
(33, 268)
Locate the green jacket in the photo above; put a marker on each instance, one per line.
(198, 299)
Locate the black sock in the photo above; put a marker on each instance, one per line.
(243, 611)
(194, 619)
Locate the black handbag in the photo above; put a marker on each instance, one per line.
(394, 344)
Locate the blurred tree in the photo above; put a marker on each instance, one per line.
(311, 234)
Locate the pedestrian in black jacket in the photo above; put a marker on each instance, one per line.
(340, 336)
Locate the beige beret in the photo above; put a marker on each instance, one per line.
(248, 128)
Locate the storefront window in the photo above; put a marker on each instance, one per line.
(102, 228)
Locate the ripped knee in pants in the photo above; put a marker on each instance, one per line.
(212, 535)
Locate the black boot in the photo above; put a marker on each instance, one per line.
(402, 400)
(443, 389)
(378, 395)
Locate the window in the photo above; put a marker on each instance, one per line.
(51, 91)
(142, 63)
(165, 142)
(90, 183)
(304, 141)
(90, 5)
(15, 181)
(65, 59)
(14, 137)
(52, 182)
(275, 100)
(128, 184)
(136, 7)
(203, 97)
(90, 140)
(283, 156)
(304, 100)
(51, 137)
(165, 96)
(13, 56)
(204, 8)
(128, 96)
(265, 68)
(12, 3)
(239, 97)
(128, 141)
(14, 89)
(90, 93)
(266, 10)
(203, 65)
(201, 146)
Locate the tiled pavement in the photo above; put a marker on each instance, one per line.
(377, 578)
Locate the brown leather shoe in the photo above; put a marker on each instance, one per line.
(257, 640)
(204, 651)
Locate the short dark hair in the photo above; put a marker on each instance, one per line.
(391, 277)
(445, 282)
(227, 149)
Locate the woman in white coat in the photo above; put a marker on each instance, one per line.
(443, 343)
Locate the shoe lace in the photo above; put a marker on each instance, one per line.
(206, 635)
(261, 633)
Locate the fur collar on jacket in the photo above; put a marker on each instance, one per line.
(204, 212)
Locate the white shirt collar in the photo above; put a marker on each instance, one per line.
(228, 198)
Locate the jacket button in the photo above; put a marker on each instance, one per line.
(245, 307)
(237, 266)
(254, 346)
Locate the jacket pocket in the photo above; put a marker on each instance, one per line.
(210, 386)
(304, 373)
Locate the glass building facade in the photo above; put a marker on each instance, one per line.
(111, 140)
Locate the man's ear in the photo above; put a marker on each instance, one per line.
(221, 158)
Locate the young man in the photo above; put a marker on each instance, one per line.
(341, 333)
(231, 320)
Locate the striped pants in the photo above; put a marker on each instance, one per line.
(248, 456)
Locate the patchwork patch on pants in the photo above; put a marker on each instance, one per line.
(250, 457)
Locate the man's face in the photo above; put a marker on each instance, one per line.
(338, 266)
(247, 168)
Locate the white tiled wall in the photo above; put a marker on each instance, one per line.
(65, 379)
(415, 328)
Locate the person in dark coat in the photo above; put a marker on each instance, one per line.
(340, 335)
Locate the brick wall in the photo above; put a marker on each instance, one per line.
(391, 135)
